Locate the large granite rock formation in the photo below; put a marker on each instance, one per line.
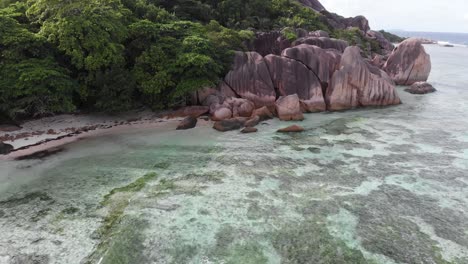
(322, 62)
(409, 63)
(251, 79)
(339, 22)
(323, 42)
(355, 85)
(293, 77)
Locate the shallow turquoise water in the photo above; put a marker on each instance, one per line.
(369, 186)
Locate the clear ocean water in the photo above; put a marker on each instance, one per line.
(387, 185)
(441, 37)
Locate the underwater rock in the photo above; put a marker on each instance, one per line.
(5, 148)
(228, 124)
(188, 123)
(291, 129)
(409, 63)
(289, 108)
(248, 130)
(420, 88)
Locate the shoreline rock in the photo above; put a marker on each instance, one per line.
(408, 63)
(291, 129)
(420, 88)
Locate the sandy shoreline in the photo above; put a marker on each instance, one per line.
(51, 133)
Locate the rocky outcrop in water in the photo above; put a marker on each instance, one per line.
(409, 63)
(5, 148)
(354, 85)
(228, 124)
(250, 79)
(421, 88)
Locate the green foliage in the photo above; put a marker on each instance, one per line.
(112, 55)
(356, 37)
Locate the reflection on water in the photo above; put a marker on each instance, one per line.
(370, 186)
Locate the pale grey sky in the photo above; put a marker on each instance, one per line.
(411, 15)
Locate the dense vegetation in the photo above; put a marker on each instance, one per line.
(58, 56)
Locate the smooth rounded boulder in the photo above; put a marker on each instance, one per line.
(288, 108)
(421, 88)
(409, 63)
(249, 130)
(188, 123)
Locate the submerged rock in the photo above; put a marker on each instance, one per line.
(293, 77)
(250, 79)
(229, 124)
(421, 88)
(291, 129)
(355, 85)
(188, 123)
(409, 63)
(248, 130)
(289, 108)
(5, 148)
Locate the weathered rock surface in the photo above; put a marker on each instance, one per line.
(322, 62)
(339, 22)
(188, 123)
(253, 121)
(384, 44)
(409, 63)
(251, 80)
(264, 113)
(293, 77)
(5, 148)
(228, 125)
(248, 130)
(323, 42)
(291, 129)
(314, 4)
(355, 85)
(288, 108)
(421, 88)
(221, 113)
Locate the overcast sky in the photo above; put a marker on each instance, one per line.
(411, 15)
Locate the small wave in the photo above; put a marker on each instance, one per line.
(446, 43)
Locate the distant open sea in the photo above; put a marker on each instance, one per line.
(442, 38)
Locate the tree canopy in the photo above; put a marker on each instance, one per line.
(57, 56)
